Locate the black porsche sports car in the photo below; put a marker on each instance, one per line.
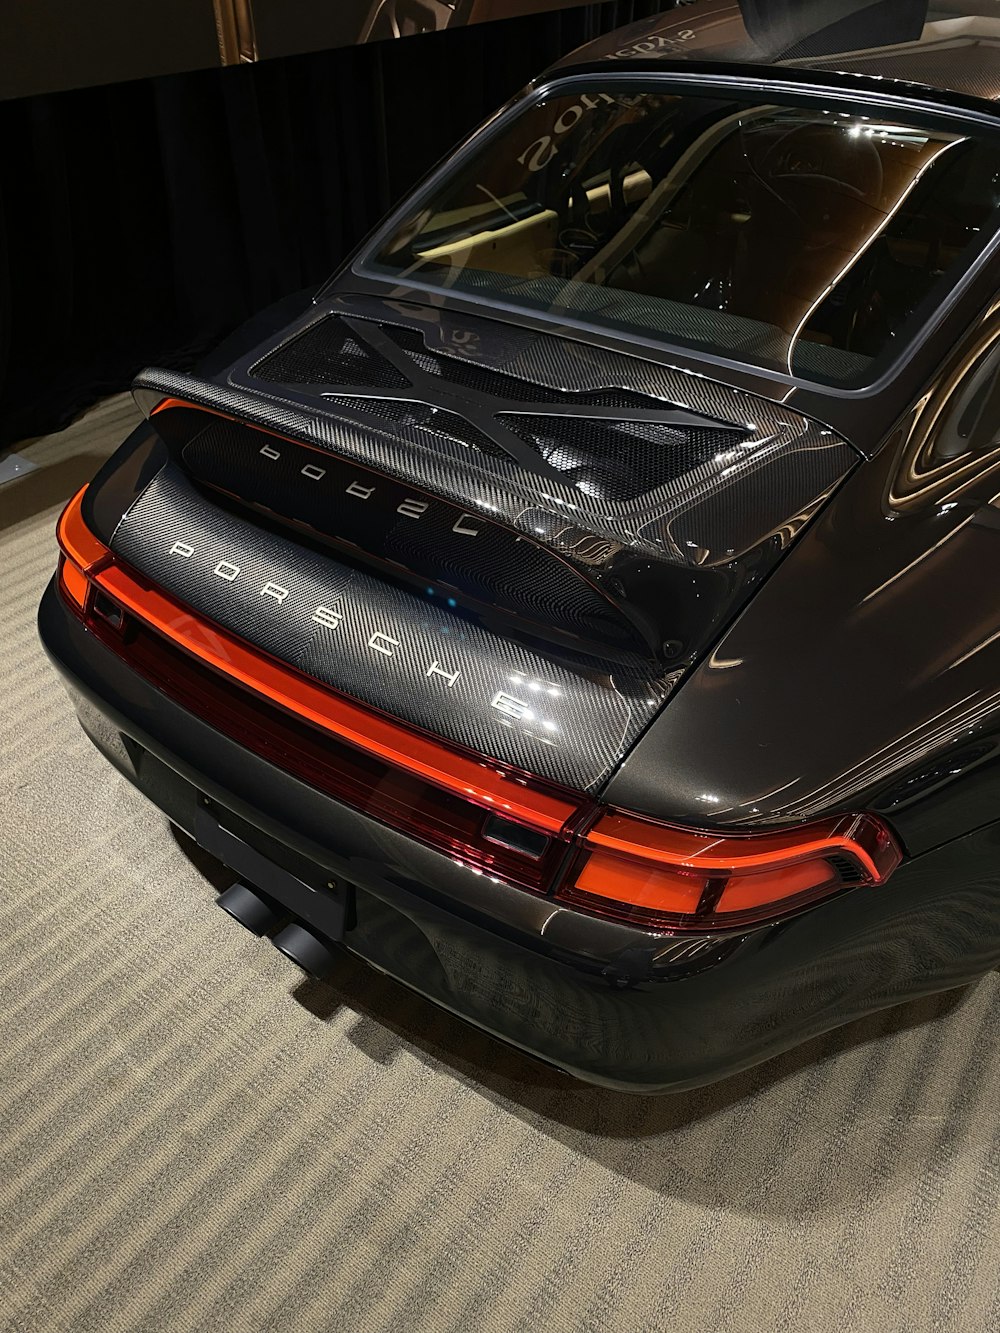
(583, 609)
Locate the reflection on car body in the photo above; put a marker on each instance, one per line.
(593, 582)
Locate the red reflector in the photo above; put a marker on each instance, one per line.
(650, 887)
(78, 543)
(73, 582)
(661, 875)
(774, 886)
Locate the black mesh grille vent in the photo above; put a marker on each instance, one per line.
(604, 457)
(421, 417)
(848, 870)
(617, 459)
(469, 375)
(400, 410)
(328, 353)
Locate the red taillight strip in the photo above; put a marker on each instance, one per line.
(656, 875)
(406, 749)
(73, 582)
(77, 541)
(680, 878)
(731, 854)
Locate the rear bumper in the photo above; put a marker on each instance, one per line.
(609, 1003)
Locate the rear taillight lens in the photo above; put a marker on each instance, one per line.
(77, 542)
(504, 824)
(74, 583)
(675, 878)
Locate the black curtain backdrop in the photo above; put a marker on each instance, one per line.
(140, 223)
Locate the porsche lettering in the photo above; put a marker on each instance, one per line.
(326, 616)
(382, 644)
(411, 507)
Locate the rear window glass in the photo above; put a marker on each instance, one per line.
(805, 240)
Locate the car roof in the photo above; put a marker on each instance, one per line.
(951, 46)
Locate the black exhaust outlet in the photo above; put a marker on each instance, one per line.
(312, 953)
(250, 909)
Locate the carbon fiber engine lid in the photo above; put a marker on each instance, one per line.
(667, 495)
(596, 519)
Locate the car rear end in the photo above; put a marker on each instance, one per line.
(377, 612)
(408, 759)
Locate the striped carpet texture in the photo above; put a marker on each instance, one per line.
(192, 1138)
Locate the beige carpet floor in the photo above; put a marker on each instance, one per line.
(192, 1138)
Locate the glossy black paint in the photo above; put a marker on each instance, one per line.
(615, 1005)
(860, 670)
(866, 672)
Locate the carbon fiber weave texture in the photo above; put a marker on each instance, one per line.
(562, 719)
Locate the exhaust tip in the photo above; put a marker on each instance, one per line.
(312, 953)
(249, 908)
